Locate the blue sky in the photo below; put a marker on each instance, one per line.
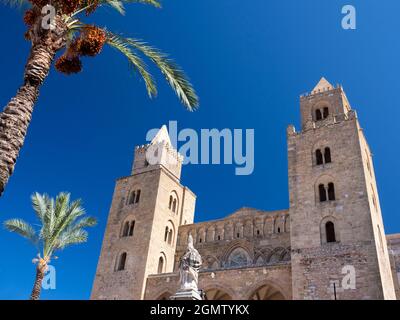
(249, 61)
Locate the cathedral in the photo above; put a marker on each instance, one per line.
(329, 244)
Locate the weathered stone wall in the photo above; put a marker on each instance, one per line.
(393, 241)
(151, 247)
(316, 263)
(260, 236)
(260, 283)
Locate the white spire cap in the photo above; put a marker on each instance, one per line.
(323, 85)
(162, 136)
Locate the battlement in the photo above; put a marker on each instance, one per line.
(159, 151)
(321, 91)
(311, 125)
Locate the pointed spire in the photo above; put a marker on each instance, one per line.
(323, 85)
(162, 136)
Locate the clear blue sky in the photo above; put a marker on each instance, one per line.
(249, 61)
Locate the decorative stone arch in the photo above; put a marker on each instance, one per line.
(210, 233)
(259, 259)
(248, 228)
(325, 180)
(287, 255)
(258, 227)
(321, 144)
(131, 198)
(337, 227)
(276, 255)
(201, 235)
(164, 291)
(228, 227)
(279, 224)
(266, 251)
(269, 225)
(127, 219)
(275, 291)
(219, 291)
(219, 232)
(237, 246)
(321, 105)
(161, 263)
(287, 223)
(170, 233)
(164, 296)
(173, 202)
(211, 262)
(117, 259)
(238, 230)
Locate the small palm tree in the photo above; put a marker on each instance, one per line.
(60, 227)
(65, 31)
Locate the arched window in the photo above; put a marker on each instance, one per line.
(318, 115)
(331, 191)
(121, 262)
(170, 202)
(330, 232)
(125, 230)
(132, 198)
(131, 228)
(279, 230)
(174, 206)
(327, 155)
(318, 156)
(326, 112)
(137, 196)
(170, 235)
(322, 193)
(238, 257)
(160, 265)
(166, 234)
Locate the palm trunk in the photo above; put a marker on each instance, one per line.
(15, 118)
(37, 287)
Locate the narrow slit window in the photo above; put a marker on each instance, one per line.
(331, 191)
(322, 193)
(330, 232)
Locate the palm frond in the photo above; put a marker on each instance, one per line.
(172, 72)
(22, 228)
(39, 204)
(135, 61)
(115, 4)
(84, 222)
(71, 237)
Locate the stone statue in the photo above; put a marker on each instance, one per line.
(189, 267)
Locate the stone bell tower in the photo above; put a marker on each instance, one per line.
(338, 241)
(147, 208)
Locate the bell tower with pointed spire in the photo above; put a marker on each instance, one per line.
(338, 243)
(141, 234)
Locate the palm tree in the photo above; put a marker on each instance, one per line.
(65, 30)
(59, 228)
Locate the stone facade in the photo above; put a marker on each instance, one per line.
(329, 244)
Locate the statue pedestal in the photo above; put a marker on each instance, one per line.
(189, 294)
